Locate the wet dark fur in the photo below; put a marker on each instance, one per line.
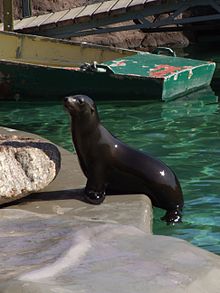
(113, 167)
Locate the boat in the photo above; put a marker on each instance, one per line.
(42, 67)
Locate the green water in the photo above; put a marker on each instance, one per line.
(183, 133)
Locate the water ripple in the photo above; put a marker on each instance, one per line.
(183, 133)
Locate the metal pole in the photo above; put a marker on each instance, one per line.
(26, 8)
(8, 15)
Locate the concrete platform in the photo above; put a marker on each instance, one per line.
(54, 242)
(66, 192)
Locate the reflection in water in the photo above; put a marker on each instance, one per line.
(183, 133)
(202, 102)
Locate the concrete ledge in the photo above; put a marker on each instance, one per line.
(112, 258)
(65, 192)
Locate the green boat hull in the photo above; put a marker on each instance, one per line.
(41, 82)
(47, 82)
(32, 66)
(168, 77)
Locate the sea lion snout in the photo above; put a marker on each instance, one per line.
(69, 100)
(79, 103)
(73, 103)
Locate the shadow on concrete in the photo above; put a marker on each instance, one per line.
(76, 194)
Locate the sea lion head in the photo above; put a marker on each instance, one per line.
(81, 108)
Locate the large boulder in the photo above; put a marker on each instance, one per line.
(26, 166)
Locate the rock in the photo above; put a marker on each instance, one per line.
(26, 166)
(136, 39)
(52, 255)
(170, 39)
(125, 39)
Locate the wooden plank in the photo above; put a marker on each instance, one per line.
(16, 22)
(120, 7)
(104, 8)
(72, 14)
(38, 21)
(121, 4)
(55, 17)
(136, 3)
(87, 13)
(149, 2)
(24, 22)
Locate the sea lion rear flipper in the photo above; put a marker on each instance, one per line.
(172, 217)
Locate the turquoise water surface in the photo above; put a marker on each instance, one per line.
(183, 133)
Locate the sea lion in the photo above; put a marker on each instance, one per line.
(113, 167)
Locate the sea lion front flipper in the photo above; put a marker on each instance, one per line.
(95, 186)
(94, 197)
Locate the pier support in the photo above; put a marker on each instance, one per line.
(26, 8)
(8, 15)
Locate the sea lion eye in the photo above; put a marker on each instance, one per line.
(81, 101)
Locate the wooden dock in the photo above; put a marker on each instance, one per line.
(99, 17)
